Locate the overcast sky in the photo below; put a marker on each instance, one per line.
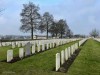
(81, 15)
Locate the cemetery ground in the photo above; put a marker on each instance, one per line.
(86, 63)
(88, 60)
(36, 64)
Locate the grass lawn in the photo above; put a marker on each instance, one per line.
(39, 64)
(3, 52)
(88, 61)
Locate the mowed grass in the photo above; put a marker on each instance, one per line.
(3, 52)
(39, 64)
(88, 61)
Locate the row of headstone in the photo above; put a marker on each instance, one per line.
(67, 53)
(97, 39)
(23, 43)
(82, 41)
(28, 51)
(64, 55)
(51, 44)
(21, 52)
(13, 44)
(10, 54)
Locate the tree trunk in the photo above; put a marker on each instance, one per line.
(47, 30)
(32, 33)
(47, 33)
(61, 34)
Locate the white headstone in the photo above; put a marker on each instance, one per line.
(23, 44)
(43, 47)
(9, 55)
(80, 43)
(57, 61)
(76, 45)
(33, 49)
(50, 45)
(58, 43)
(19, 44)
(28, 49)
(47, 45)
(61, 43)
(72, 50)
(69, 54)
(0, 44)
(3, 44)
(21, 52)
(53, 44)
(66, 54)
(13, 45)
(62, 57)
(38, 48)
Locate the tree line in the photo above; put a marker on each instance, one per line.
(33, 21)
(95, 33)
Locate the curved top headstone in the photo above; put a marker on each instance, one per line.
(28, 49)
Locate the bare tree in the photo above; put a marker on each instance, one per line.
(30, 18)
(69, 33)
(46, 22)
(62, 27)
(94, 33)
(54, 29)
(59, 28)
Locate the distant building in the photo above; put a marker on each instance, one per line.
(39, 37)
